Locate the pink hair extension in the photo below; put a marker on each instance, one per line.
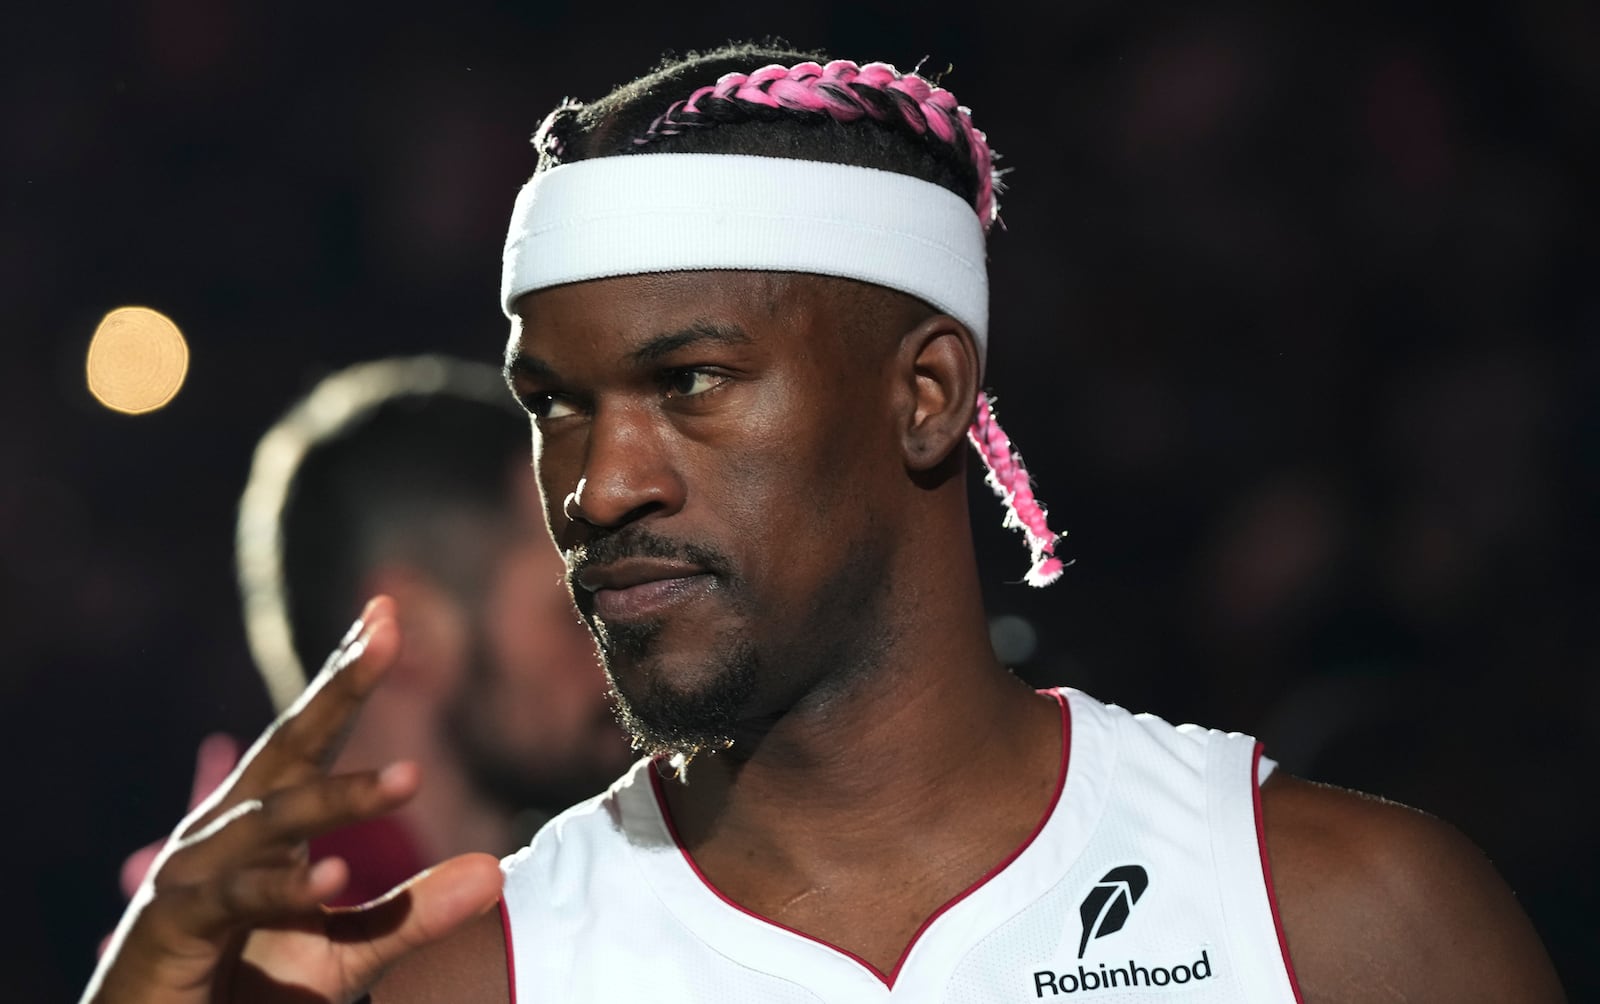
(846, 92)
(1009, 479)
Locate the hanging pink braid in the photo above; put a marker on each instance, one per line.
(1009, 479)
(847, 92)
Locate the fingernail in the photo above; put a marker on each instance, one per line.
(388, 776)
(323, 871)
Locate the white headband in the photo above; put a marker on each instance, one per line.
(670, 212)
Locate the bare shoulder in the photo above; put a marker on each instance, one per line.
(1380, 902)
(470, 965)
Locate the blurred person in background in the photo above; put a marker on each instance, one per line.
(410, 477)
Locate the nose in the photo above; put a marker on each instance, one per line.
(627, 472)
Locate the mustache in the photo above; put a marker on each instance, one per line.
(636, 542)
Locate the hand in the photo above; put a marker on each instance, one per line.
(230, 910)
(216, 758)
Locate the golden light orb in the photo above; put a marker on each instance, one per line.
(137, 360)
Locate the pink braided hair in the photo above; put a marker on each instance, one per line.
(1009, 479)
(845, 92)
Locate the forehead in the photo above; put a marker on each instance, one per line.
(628, 309)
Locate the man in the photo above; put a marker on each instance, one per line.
(750, 318)
(409, 477)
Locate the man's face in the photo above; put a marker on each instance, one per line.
(730, 444)
(532, 715)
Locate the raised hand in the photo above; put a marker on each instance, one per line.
(230, 910)
(216, 758)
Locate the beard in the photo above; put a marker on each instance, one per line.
(661, 719)
(666, 721)
(545, 783)
(838, 641)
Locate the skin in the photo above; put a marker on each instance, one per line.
(838, 423)
(505, 682)
(534, 711)
(841, 409)
(229, 911)
(497, 697)
(1380, 902)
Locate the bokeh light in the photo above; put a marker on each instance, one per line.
(137, 360)
(1013, 638)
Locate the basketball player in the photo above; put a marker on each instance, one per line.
(750, 316)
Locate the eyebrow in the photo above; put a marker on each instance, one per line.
(529, 367)
(663, 345)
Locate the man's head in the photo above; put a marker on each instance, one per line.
(410, 476)
(749, 406)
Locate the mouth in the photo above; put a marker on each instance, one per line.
(639, 590)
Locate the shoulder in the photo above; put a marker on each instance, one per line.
(568, 844)
(1382, 902)
(468, 965)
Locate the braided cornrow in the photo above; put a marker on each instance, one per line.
(844, 92)
(550, 141)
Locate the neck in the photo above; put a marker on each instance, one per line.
(936, 722)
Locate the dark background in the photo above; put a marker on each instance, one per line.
(1295, 321)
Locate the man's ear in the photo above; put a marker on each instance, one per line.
(434, 630)
(937, 370)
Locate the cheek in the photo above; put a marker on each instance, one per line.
(793, 492)
(765, 471)
(556, 463)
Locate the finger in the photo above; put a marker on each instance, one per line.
(309, 810)
(257, 896)
(306, 737)
(214, 761)
(314, 727)
(431, 906)
(273, 760)
(138, 866)
(243, 899)
(260, 831)
(247, 866)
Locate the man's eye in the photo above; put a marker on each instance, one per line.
(547, 406)
(689, 382)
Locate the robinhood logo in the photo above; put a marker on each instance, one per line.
(1109, 903)
(1104, 911)
(1105, 977)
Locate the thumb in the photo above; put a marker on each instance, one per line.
(429, 907)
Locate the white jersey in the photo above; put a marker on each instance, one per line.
(1146, 881)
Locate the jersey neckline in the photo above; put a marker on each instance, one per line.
(685, 860)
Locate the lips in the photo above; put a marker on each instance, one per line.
(642, 589)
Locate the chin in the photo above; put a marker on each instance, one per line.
(673, 703)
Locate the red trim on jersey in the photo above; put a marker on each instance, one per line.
(1266, 873)
(511, 961)
(886, 980)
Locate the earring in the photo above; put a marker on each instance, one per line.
(572, 507)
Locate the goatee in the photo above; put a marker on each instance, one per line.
(667, 721)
